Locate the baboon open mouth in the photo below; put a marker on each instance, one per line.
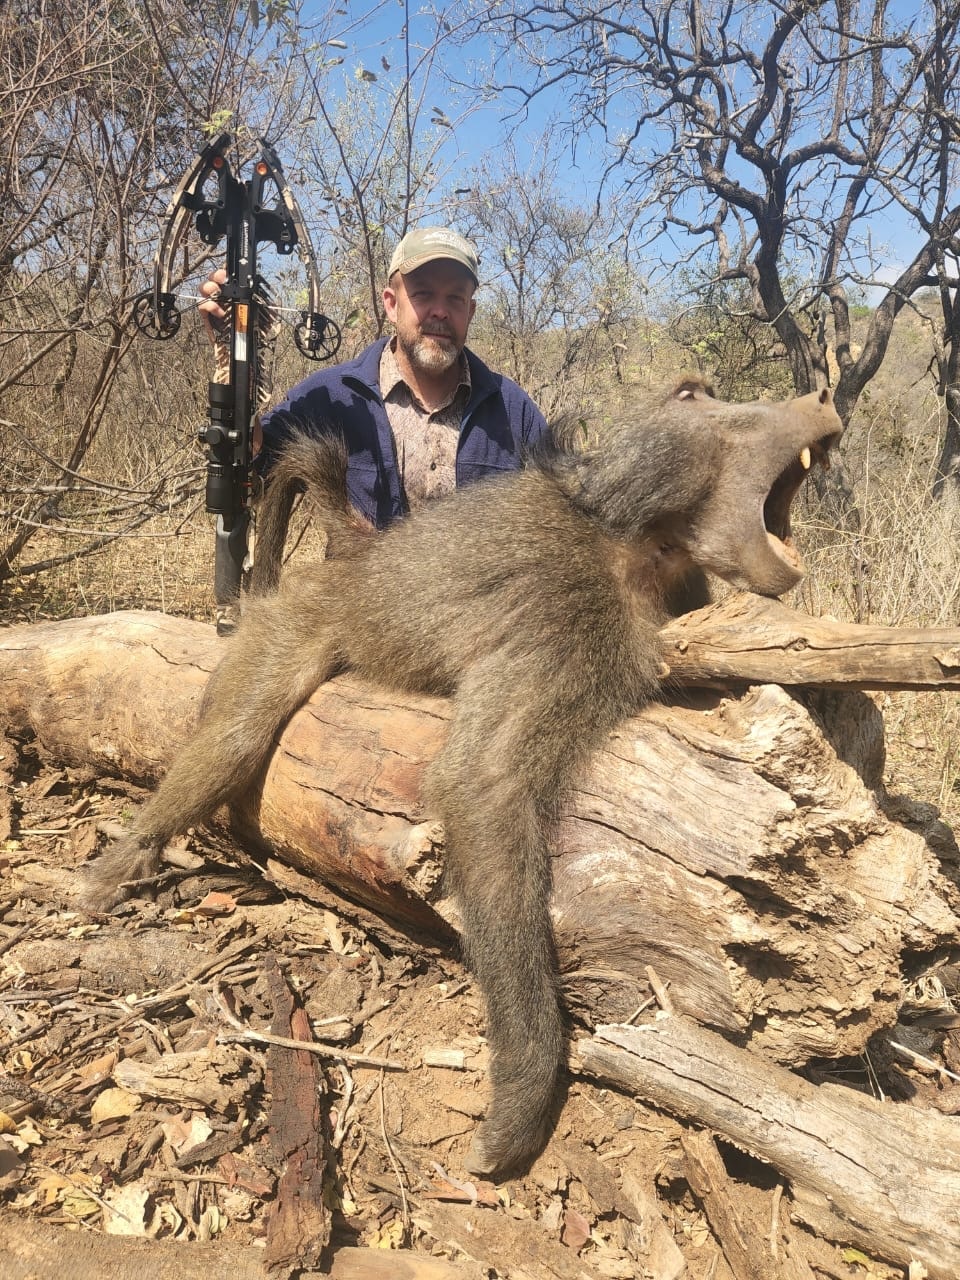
(776, 508)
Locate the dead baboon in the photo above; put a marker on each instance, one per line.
(533, 600)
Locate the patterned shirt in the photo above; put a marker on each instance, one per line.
(425, 439)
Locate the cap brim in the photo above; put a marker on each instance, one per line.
(411, 264)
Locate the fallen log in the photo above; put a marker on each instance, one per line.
(879, 1174)
(741, 845)
(747, 639)
(35, 1250)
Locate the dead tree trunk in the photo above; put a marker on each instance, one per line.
(747, 639)
(739, 844)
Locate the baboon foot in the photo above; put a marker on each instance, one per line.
(110, 878)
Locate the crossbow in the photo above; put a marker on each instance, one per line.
(245, 214)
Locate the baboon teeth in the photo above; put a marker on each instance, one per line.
(819, 452)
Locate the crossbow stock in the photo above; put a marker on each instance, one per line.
(245, 214)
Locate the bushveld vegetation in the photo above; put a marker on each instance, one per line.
(710, 243)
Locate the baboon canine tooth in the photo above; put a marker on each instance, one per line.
(805, 458)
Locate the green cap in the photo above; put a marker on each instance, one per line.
(427, 244)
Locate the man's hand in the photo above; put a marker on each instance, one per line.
(210, 309)
(213, 317)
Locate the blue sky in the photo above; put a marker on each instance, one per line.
(373, 30)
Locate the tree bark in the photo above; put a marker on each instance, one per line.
(879, 1174)
(34, 1250)
(740, 845)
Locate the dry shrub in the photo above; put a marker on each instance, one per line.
(893, 558)
(899, 566)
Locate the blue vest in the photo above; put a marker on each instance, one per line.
(500, 425)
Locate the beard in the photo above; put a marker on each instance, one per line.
(429, 353)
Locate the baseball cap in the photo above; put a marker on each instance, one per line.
(426, 244)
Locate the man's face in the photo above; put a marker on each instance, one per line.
(431, 309)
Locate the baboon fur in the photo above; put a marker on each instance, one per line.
(533, 600)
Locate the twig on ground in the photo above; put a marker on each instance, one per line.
(241, 1033)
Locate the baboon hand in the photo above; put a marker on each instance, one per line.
(108, 879)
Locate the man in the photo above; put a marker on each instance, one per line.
(419, 412)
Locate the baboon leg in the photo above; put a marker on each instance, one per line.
(495, 787)
(271, 667)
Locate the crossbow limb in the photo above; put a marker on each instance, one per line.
(221, 206)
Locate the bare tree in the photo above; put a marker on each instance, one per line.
(374, 147)
(773, 140)
(715, 323)
(102, 106)
(558, 302)
(946, 363)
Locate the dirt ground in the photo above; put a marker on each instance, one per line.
(136, 1100)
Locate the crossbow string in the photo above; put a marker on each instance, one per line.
(244, 214)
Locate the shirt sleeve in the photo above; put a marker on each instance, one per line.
(537, 429)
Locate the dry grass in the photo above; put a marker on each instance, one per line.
(165, 569)
(899, 567)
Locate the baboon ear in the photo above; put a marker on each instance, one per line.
(690, 387)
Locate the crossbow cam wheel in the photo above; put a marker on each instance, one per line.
(317, 337)
(160, 325)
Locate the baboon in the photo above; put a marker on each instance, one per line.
(534, 601)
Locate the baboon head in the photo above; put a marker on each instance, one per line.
(764, 451)
(708, 482)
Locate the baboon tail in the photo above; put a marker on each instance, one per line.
(509, 946)
(498, 786)
(315, 465)
(494, 786)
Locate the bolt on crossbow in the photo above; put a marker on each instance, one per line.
(245, 215)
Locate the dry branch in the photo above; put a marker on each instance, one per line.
(751, 1257)
(749, 640)
(882, 1175)
(298, 1227)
